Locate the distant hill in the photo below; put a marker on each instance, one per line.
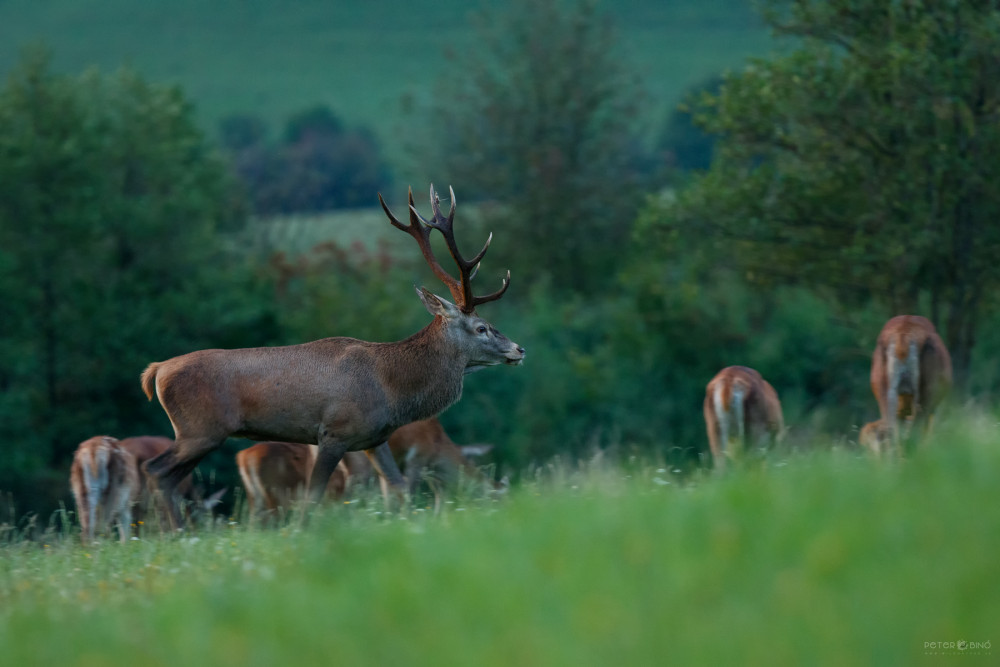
(364, 59)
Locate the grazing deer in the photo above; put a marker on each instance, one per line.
(911, 373)
(146, 447)
(274, 474)
(105, 483)
(343, 394)
(424, 445)
(874, 437)
(742, 408)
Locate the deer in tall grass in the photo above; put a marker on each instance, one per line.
(276, 474)
(342, 394)
(105, 483)
(742, 411)
(424, 449)
(147, 447)
(911, 374)
(874, 436)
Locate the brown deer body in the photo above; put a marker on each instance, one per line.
(425, 446)
(147, 447)
(342, 394)
(911, 372)
(874, 437)
(740, 408)
(105, 482)
(275, 474)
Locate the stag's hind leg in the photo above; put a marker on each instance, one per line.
(167, 470)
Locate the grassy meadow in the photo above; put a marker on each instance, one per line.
(811, 558)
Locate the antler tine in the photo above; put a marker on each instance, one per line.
(419, 228)
(392, 218)
(476, 300)
(421, 231)
(451, 213)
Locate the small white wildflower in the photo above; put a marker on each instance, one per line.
(660, 481)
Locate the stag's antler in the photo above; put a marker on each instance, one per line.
(420, 229)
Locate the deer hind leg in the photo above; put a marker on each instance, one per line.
(169, 469)
(723, 422)
(124, 515)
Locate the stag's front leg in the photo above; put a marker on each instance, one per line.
(330, 453)
(390, 478)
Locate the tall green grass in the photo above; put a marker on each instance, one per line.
(826, 558)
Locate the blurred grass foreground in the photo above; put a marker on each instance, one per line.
(820, 558)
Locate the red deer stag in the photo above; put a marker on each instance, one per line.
(911, 373)
(274, 474)
(105, 483)
(742, 408)
(343, 394)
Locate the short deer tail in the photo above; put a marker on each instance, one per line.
(149, 379)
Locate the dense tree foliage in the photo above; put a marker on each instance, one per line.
(541, 117)
(110, 206)
(862, 160)
(317, 165)
(682, 144)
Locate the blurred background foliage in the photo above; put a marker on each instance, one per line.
(776, 219)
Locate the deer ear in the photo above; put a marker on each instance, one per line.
(435, 305)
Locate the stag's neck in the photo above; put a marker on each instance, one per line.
(422, 374)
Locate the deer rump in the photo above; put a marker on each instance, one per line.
(105, 482)
(740, 407)
(911, 372)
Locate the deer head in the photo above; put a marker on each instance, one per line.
(484, 345)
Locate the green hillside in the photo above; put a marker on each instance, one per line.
(366, 60)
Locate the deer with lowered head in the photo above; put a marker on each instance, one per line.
(105, 483)
(275, 474)
(341, 394)
(911, 373)
(146, 447)
(742, 411)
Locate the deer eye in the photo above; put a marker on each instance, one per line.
(481, 329)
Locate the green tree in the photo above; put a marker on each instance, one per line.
(541, 117)
(862, 159)
(682, 144)
(318, 165)
(111, 206)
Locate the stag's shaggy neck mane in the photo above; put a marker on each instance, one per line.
(422, 374)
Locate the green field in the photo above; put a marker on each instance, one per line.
(368, 61)
(823, 559)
